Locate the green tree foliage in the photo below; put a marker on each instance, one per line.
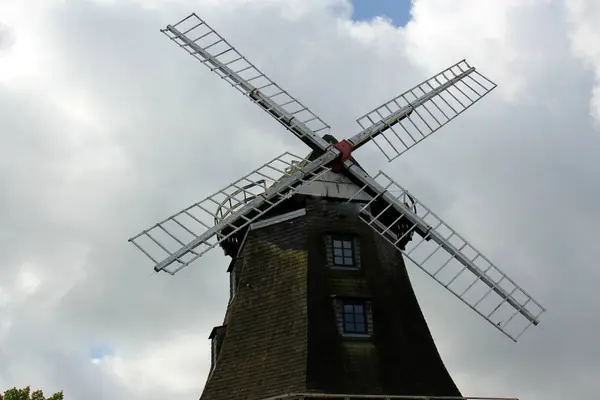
(26, 394)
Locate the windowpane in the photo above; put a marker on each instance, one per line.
(354, 317)
(343, 251)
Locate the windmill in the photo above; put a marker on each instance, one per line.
(320, 300)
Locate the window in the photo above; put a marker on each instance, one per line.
(216, 337)
(354, 317)
(213, 352)
(343, 251)
(232, 282)
(234, 272)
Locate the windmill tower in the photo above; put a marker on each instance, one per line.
(320, 299)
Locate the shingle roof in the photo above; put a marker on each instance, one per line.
(281, 333)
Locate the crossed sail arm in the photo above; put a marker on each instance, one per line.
(179, 240)
(394, 127)
(211, 49)
(446, 256)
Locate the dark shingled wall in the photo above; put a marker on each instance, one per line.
(281, 332)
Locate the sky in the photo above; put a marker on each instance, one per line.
(107, 127)
(398, 11)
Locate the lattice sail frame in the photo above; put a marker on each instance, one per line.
(453, 262)
(203, 43)
(429, 106)
(204, 225)
(403, 122)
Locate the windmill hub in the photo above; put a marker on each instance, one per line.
(320, 300)
(345, 148)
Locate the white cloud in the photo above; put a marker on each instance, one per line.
(585, 41)
(171, 365)
(28, 281)
(108, 127)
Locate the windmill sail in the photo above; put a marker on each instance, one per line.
(211, 49)
(185, 236)
(446, 256)
(394, 127)
(409, 118)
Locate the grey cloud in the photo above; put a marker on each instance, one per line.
(517, 178)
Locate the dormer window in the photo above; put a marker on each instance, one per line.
(342, 251)
(216, 340)
(354, 317)
(213, 352)
(232, 282)
(233, 270)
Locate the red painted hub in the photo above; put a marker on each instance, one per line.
(345, 147)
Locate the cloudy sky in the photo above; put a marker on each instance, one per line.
(106, 127)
